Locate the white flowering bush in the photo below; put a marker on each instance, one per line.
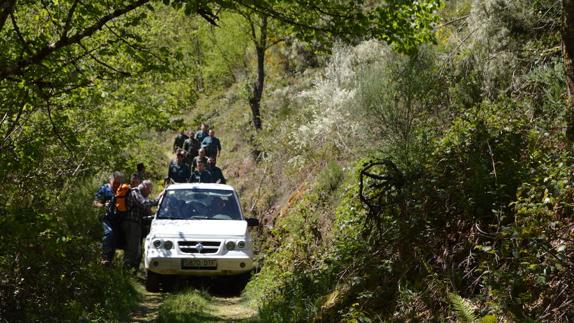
(332, 100)
(494, 47)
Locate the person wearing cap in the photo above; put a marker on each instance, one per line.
(216, 173)
(201, 175)
(211, 144)
(178, 171)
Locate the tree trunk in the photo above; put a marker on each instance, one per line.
(568, 55)
(257, 88)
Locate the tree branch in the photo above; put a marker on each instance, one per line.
(53, 124)
(247, 17)
(15, 124)
(124, 73)
(19, 34)
(276, 15)
(134, 47)
(69, 19)
(209, 16)
(273, 43)
(452, 21)
(67, 41)
(323, 12)
(263, 32)
(7, 9)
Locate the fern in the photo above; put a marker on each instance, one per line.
(462, 308)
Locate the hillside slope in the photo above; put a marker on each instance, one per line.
(465, 209)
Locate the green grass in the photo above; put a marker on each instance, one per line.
(194, 305)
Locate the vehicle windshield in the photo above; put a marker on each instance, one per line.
(199, 204)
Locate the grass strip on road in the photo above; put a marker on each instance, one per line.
(193, 305)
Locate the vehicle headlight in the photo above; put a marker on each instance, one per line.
(157, 243)
(167, 245)
(230, 245)
(241, 244)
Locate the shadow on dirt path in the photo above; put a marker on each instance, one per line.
(148, 309)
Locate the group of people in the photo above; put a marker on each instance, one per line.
(128, 204)
(196, 156)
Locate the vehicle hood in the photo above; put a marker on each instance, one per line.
(181, 228)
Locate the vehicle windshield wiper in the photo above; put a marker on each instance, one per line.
(199, 217)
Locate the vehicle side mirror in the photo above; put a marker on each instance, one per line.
(252, 222)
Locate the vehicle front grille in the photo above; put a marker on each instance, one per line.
(203, 247)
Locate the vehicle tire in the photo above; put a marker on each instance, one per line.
(152, 281)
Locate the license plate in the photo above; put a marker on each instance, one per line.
(198, 263)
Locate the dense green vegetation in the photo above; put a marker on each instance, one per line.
(408, 176)
(465, 209)
(60, 141)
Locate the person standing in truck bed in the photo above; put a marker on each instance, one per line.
(216, 173)
(178, 170)
(200, 156)
(191, 147)
(201, 175)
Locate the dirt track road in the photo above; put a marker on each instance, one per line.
(191, 305)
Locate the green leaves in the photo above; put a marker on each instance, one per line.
(463, 309)
(404, 24)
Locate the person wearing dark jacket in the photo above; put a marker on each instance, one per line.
(201, 134)
(191, 148)
(216, 173)
(179, 140)
(212, 145)
(178, 171)
(139, 206)
(201, 175)
(110, 225)
(200, 156)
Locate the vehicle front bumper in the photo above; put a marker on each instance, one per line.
(233, 263)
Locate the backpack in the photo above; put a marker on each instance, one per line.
(121, 198)
(119, 204)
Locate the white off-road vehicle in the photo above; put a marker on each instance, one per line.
(198, 230)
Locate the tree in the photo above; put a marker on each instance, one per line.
(53, 48)
(260, 41)
(404, 24)
(73, 74)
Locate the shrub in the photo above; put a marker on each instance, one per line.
(50, 267)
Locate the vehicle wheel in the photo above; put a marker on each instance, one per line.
(152, 281)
